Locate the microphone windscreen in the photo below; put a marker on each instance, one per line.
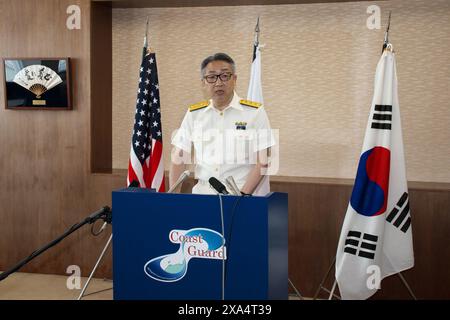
(134, 184)
(217, 185)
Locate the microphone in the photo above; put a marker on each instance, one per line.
(180, 180)
(229, 186)
(233, 186)
(218, 186)
(134, 184)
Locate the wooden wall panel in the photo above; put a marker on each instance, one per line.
(46, 184)
(101, 87)
(316, 213)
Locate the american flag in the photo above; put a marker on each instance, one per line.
(146, 167)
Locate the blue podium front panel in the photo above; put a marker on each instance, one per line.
(170, 246)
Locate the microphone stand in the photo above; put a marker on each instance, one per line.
(95, 267)
(104, 213)
(99, 258)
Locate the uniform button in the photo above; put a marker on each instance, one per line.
(221, 113)
(217, 169)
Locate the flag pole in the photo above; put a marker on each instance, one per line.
(145, 46)
(405, 283)
(332, 290)
(386, 43)
(257, 30)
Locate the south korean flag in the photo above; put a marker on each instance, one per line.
(376, 237)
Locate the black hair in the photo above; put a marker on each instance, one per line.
(220, 56)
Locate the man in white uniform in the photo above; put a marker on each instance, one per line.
(231, 136)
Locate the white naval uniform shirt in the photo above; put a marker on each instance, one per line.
(225, 143)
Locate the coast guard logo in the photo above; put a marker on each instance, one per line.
(194, 243)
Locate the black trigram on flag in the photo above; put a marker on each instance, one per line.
(404, 214)
(365, 248)
(382, 117)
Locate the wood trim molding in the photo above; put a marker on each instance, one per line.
(413, 185)
(206, 3)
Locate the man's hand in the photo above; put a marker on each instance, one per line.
(177, 166)
(257, 173)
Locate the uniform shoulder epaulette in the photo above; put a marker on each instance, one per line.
(198, 106)
(249, 103)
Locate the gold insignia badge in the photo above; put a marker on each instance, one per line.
(249, 103)
(199, 106)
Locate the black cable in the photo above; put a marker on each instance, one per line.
(96, 233)
(233, 211)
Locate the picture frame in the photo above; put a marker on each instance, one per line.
(37, 83)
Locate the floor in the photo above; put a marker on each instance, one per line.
(33, 286)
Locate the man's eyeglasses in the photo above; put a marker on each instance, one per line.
(212, 78)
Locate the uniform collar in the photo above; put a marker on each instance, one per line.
(233, 104)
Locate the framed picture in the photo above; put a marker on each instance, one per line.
(37, 83)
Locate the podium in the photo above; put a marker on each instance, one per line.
(170, 246)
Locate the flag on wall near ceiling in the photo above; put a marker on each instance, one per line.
(376, 237)
(146, 166)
